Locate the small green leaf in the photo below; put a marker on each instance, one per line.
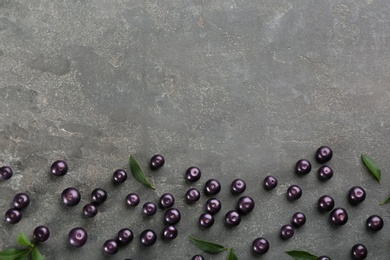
(14, 254)
(207, 246)
(36, 255)
(301, 255)
(23, 256)
(23, 240)
(232, 255)
(372, 167)
(385, 201)
(138, 173)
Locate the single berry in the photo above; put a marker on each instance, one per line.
(77, 237)
(71, 196)
(374, 223)
(286, 232)
(260, 246)
(119, 176)
(212, 187)
(41, 234)
(59, 168)
(21, 200)
(294, 192)
(166, 201)
(325, 172)
(213, 206)
(13, 216)
(90, 210)
(356, 195)
(197, 257)
(298, 219)
(359, 251)
(149, 209)
(5, 173)
(110, 247)
(245, 205)
(172, 216)
(232, 218)
(192, 195)
(302, 167)
(270, 182)
(157, 162)
(238, 186)
(323, 257)
(325, 203)
(98, 196)
(339, 216)
(206, 220)
(125, 236)
(193, 174)
(324, 154)
(148, 237)
(169, 233)
(132, 200)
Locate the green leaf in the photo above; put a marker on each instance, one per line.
(13, 254)
(232, 255)
(23, 240)
(301, 255)
(36, 255)
(385, 201)
(207, 246)
(372, 166)
(23, 256)
(138, 173)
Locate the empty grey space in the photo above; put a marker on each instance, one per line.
(241, 89)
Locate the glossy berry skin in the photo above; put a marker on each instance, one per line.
(270, 182)
(21, 200)
(339, 216)
(294, 192)
(5, 173)
(374, 223)
(325, 203)
(212, 187)
(41, 234)
(245, 205)
(197, 257)
(132, 200)
(206, 220)
(260, 246)
(213, 206)
(169, 233)
(302, 167)
(356, 195)
(166, 201)
(193, 174)
(238, 186)
(157, 161)
(71, 196)
(232, 218)
(324, 154)
(192, 195)
(298, 219)
(125, 236)
(119, 176)
(77, 237)
(90, 210)
(98, 196)
(13, 216)
(149, 209)
(359, 251)
(148, 237)
(59, 168)
(172, 216)
(325, 173)
(286, 232)
(110, 247)
(323, 257)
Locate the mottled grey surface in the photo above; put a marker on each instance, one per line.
(238, 88)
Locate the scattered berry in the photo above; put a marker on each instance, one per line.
(110, 247)
(294, 192)
(298, 219)
(169, 233)
(323, 257)
(238, 186)
(156, 162)
(325, 173)
(172, 216)
(197, 257)
(356, 195)
(71, 196)
(167, 200)
(119, 176)
(193, 174)
(5, 173)
(149, 209)
(374, 223)
(260, 246)
(206, 220)
(245, 205)
(59, 168)
(41, 234)
(77, 237)
(21, 200)
(302, 167)
(324, 154)
(98, 196)
(232, 218)
(270, 182)
(212, 187)
(359, 251)
(213, 206)
(325, 203)
(339, 216)
(192, 195)
(286, 232)
(148, 237)
(132, 200)
(90, 210)
(125, 236)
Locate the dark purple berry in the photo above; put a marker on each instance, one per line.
(71, 196)
(206, 220)
(238, 186)
(325, 172)
(167, 200)
(157, 162)
(260, 246)
(197, 257)
(119, 176)
(245, 205)
(192, 195)
(374, 223)
(148, 237)
(270, 182)
(286, 232)
(212, 187)
(77, 237)
(359, 251)
(98, 196)
(5, 173)
(59, 168)
(339, 216)
(169, 233)
(232, 218)
(149, 209)
(13, 216)
(323, 257)
(213, 206)
(325, 203)
(172, 216)
(193, 174)
(125, 236)
(21, 200)
(294, 192)
(298, 219)
(41, 234)
(110, 247)
(356, 195)
(132, 200)
(302, 167)
(324, 154)
(90, 210)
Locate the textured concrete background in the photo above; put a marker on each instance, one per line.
(238, 88)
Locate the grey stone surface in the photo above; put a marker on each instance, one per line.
(238, 88)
